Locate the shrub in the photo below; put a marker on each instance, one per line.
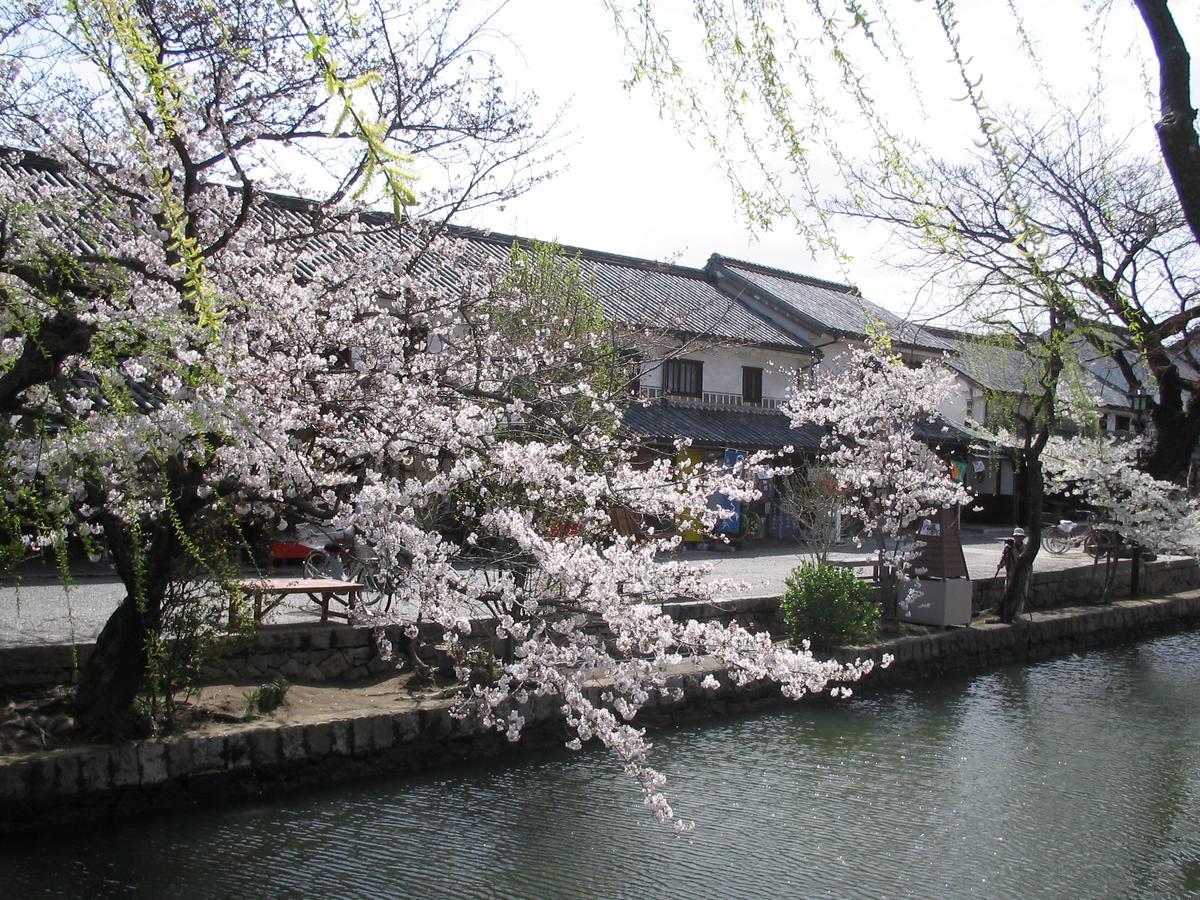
(829, 606)
(265, 698)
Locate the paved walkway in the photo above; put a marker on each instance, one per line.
(762, 569)
(39, 611)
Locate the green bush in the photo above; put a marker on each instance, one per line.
(829, 606)
(265, 698)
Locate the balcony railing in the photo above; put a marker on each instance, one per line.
(713, 400)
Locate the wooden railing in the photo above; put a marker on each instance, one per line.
(713, 400)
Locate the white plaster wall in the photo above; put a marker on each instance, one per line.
(723, 369)
(837, 357)
(955, 408)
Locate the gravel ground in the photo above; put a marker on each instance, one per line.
(37, 610)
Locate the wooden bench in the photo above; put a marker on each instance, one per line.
(268, 593)
(867, 563)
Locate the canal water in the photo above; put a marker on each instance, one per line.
(1076, 777)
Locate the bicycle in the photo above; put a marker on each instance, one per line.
(338, 560)
(1086, 536)
(1060, 538)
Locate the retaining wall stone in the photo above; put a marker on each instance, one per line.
(251, 759)
(336, 652)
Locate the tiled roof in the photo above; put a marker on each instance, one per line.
(749, 431)
(939, 431)
(1106, 380)
(830, 307)
(990, 365)
(639, 293)
(658, 296)
(746, 431)
(995, 367)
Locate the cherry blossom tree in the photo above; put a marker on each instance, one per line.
(1142, 511)
(130, 242)
(185, 355)
(872, 405)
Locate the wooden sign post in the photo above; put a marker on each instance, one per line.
(942, 556)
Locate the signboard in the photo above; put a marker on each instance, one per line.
(942, 555)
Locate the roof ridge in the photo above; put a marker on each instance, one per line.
(384, 218)
(621, 259)
(785, 273)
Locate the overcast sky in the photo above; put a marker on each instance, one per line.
(632, 185)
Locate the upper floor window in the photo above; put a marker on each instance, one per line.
(752, 386)
(341, 359)
(683, 377)
(630, 368)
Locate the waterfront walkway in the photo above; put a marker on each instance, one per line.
(38, 611)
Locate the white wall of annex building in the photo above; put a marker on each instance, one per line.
(723, 369)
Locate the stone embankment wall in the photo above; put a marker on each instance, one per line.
(1084, 584)
(309, 652)
(339, 652)
(252, 759)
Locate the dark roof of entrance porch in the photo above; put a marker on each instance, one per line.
(719, 428)
(658, 423)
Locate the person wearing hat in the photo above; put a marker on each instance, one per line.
(1008, 556)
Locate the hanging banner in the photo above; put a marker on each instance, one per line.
(732, 525)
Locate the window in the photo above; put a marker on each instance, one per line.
(630, 363)
(752, 386)
(341, 359)
(683, 377)
(1124, 423)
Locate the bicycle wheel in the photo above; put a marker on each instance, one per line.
(1056, 542)
(1100, 542)
(379, 590)
(316, 564)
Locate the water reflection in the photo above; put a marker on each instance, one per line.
(1077, 776)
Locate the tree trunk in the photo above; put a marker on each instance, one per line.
(1176, 126)
(888, 580)
(109, 682)
(1176, 427)
(1016, 590)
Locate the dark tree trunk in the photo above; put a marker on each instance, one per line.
(1016, 589)
(1177, 425)
(1176, 126)
(1176, 418)
(110, 681)
(889, 582)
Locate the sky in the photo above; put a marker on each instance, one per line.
(630, 184)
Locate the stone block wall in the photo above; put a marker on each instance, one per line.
(253, 759)
(324, 652)
(35, 667)
(307, 652)
(1084, 584)
(755, 613)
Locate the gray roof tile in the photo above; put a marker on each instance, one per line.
(639, 293)
(643, 293)
(830, 307)
(748, 431)
(743, 430)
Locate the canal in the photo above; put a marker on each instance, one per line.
(1075, 777)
